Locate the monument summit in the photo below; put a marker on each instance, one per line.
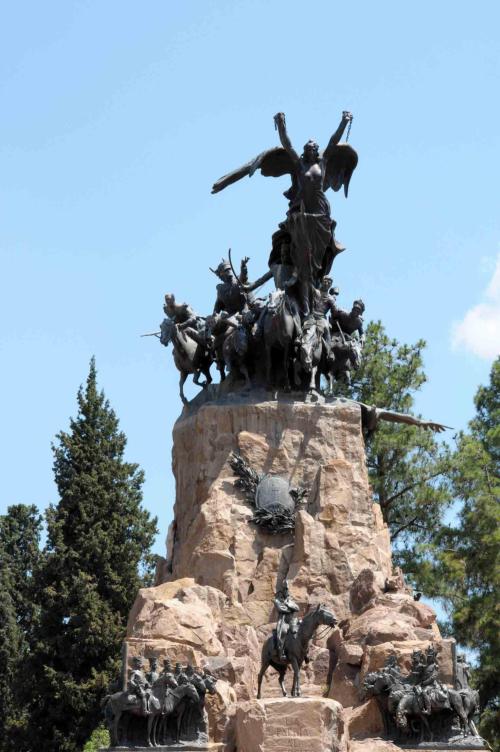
(277, 621)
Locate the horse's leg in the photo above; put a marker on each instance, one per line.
(263, 669)
(116, 721)
(286, 350)
(281, 681)
(182, 381)
(244, 371)
(149, 741)
(296, 678)
(268, 363)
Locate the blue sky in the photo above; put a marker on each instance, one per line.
(118, 117)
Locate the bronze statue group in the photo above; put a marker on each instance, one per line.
(418, 703)
(298, 334)
(159, 707)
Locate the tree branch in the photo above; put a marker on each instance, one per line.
(404, 490)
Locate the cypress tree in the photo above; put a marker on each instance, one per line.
(19, 561)
(98, 539)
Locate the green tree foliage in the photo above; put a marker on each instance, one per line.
(467, 553)
(19, 561)
(96, 555)
(407, 466)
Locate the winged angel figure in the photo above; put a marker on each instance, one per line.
(308, 228)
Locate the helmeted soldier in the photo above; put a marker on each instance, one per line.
(287, 617)
(392, 668)
(350, 321)
(231, 297)
(138, 684)
(153, 674)
(180, 674)
(167, 675)
(418, 665)
(430, 678)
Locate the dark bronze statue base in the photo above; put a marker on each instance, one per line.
(463, 743)
(186, 747)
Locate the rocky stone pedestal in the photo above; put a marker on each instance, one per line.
(289, 725)
(212, 605)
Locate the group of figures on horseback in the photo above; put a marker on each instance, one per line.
(265, 342)
(418, 703)
(298, 334)
(159, 707)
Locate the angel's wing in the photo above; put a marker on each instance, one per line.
(339, 168)
(272, 163)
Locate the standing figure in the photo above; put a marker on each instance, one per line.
(462, 678)
(309, 223)
(287, 617)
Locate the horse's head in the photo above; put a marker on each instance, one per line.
(321, 615)
(306, 348)
(376, 683)
(166, 331)
(190, 691)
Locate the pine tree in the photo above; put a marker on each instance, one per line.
(407, 466)
(467, 553)
(97, 549)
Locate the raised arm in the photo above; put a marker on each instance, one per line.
(279, 122)
(334, 140)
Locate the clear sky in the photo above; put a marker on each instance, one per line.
(117, 117)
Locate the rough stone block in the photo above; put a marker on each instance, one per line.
(290, 725)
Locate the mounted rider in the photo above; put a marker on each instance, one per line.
(153, 674)
(287, 617)
(138, 685)
(351, 321)
(323, 304)
(185, 318)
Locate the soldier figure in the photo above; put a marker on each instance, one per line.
(186, 319)
(168, 675)
(418, 666)
(287, 619)
(180, 675)
(350, 321)
(392, 668)
(462, 672)
(138, 684)
(152, 675)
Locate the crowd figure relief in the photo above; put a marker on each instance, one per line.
(159, 707)
(418, 704)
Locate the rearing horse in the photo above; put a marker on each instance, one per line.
(296, 647)
(189, 356)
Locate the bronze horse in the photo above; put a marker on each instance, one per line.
(281, 326)
(189, 356)
(296, 647)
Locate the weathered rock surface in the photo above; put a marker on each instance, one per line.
(212, 606)
(298, 725)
